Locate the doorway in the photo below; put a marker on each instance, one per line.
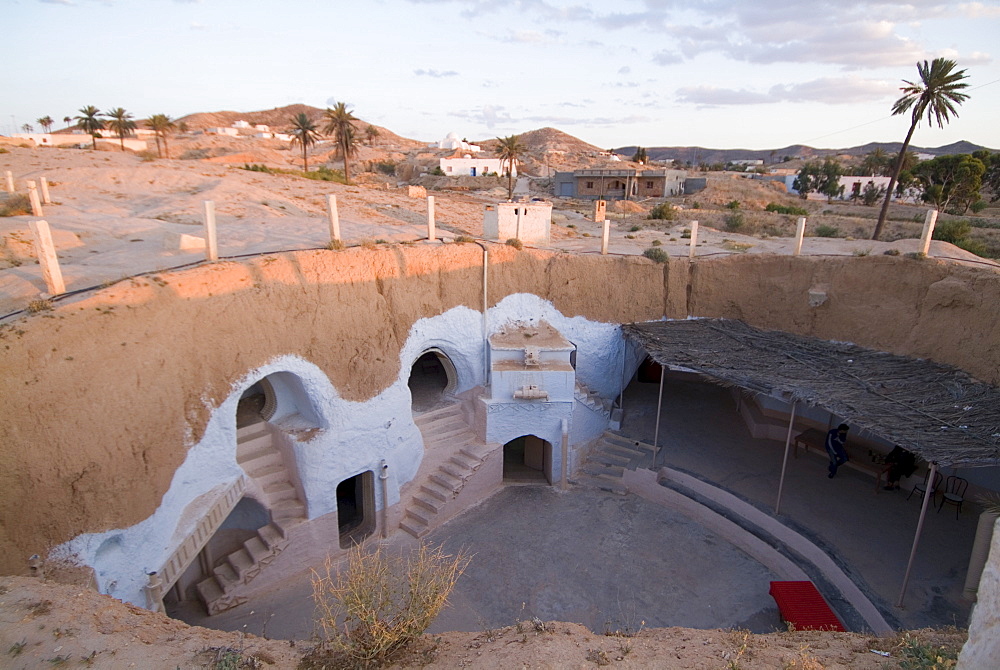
(527, 460)
(431, 378)
(356, 508)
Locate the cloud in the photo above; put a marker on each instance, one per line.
(625, 69)
(488, 115)
(68, 3)
(665, 57)
(197, 26)
(437, 74)
(828, 90)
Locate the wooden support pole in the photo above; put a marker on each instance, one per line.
(605, 237)
(659, 405)
(925, 237)
(431, 232)
(36, 205)
(784, 461)
(800, 232)
(46, 252)
(694, 239)
(928, 492)
(564, 466)
(10, 181)
(44, 183)
(334, 217)
(211, 242)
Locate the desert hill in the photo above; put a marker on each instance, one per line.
(279, 119)
(697, 155)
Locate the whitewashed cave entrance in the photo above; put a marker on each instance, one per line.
(432, 378)
(527, 460)
(356, 508)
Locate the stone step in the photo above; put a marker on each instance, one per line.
(627, 442)
(252, 431)
(600, 483)
(257, 550)
(242, 564)
(273, 535)
(442, 422)
(437, 414)
(458, 435)
(465, 461)
(610, 471)
(428, 502)
(476, 450)
(618, 450)
(448, 481)
(280, 490)
(435, 490)
(288, 509)
(420, 515)
(608, 458)
(455, 470)
(269, 473)
(413, 529)
(226, 576)
(261, 458)
(209, 591)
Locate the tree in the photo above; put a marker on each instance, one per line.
(161, 124)
(876, 162)
(951, 182)
(820, 177)
(121, 122)
(872, 194)
(509, 150)
(991, 178)
(89, 123)
(305, 134)
(46, 123)
(371, 134)
(28, 128)
(936, 94)
(340, 124)
(67, 120)
(640, 155)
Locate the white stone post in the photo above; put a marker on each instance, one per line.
(154, 593)
(44, 183)
(10, 181)
(925, 237)
(334, 216)
(36, 205)
(211, 242)
(431, 236)
(694, 239)
(46, 252)
(605, 236)
(517, 232)
(800, 232)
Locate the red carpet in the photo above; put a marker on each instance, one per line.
(802, 606)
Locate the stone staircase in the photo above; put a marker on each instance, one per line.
(264, 464)
(609, 459)
(591, 399)
(457, 453)
(240, 567)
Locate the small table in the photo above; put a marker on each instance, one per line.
(813, 437)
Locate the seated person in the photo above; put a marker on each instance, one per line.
(901, 463)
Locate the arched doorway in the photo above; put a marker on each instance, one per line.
(527, 459)
(432, 377)
(256, 404)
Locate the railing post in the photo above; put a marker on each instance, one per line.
(605, 236)
(44, 184)
(154, 593)
(694, 239)
(36, 206)
(800, 232)
(10, 181)
(46, 252)
(431, 233)
(211, 242)
(334, 216)
(925, 238)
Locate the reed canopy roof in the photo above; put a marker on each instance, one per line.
(936, 411)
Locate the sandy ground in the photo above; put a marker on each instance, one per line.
(51, 625)
(115, 215)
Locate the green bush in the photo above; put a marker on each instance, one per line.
(664, 211)
(696, 205)
(656, 243)
(734, 222)
(257, 167)
(386, 167)
(654, 254)
(463, 239)
(826, 230)
(786, 209)
(978, 206)
(951, 231)
(733, 205)
(635, 229)
(516, 243)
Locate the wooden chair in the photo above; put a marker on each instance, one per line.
(954, 493)
(922, 488)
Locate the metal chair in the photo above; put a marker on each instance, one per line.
(922, 488)
(954, 493)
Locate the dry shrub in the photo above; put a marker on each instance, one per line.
(377, 603)
(15, 204)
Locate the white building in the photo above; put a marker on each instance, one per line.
(453, 143)
(530, 222)
(242, 125)
(262, 128)
(232, 132)
(467, 166)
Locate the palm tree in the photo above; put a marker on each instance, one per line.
(937, 93)
(340, 124)
(121, 122)
(89, 123)
(67, 120)
(875, 162)
(304, 133)
(28, 128)
(46, 123)
(161, 124)
(509, 150)
(371, 134)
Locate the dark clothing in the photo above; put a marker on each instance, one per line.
(835, 450)
(901, 463)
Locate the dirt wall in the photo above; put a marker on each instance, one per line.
(103, 395)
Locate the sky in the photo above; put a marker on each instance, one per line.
(754, 74)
